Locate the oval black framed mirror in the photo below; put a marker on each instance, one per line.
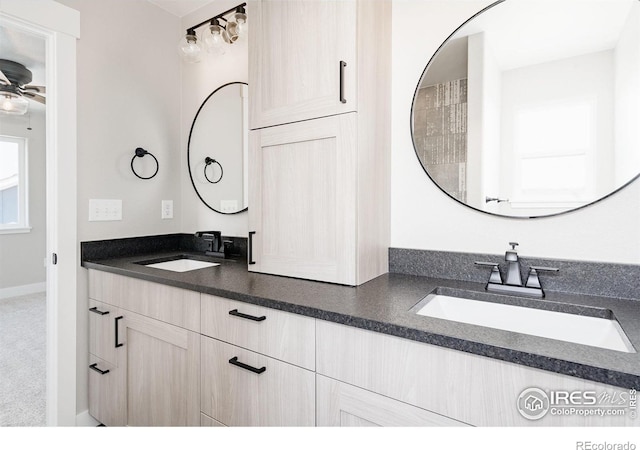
(217, 150)
(532, 108)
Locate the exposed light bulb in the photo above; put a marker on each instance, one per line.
(6, 104)
(241, 21)
(190, 48)
(214, 39)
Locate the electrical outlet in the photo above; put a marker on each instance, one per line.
(167, 209)
(101, 210)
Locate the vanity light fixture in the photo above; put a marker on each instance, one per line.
(215, 36)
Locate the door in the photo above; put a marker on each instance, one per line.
(59, 26)
(302, 189)
(302, 60)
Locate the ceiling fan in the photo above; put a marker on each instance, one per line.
(15, 88)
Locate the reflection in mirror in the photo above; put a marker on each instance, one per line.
(218, 147)
(532, 108)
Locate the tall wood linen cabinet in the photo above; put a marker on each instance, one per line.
(319, 159)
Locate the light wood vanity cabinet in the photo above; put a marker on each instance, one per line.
(256, 366)
(147, 371)
(296, 51)
(244, 388)
(259, 369)
(320, 167)
(467, 388)
(278, 334)
(344, 405)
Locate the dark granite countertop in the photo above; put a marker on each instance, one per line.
(385, 304)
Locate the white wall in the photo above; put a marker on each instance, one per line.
(27, 250)
(627, 95)
(198, 81)
(424, 218)
(128, 96)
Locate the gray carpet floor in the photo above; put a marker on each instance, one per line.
(23, 360)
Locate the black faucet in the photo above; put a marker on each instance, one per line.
(215, 245)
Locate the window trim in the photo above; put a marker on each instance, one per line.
(23, 225)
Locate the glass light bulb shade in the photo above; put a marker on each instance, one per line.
(214, 39)
(190, 49)
(13, 104)
(242, 29)
(241, 20)
(232, 32)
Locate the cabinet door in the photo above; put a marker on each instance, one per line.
(162, 372)
(302, 193)
(343, 405)
(295, 54)
(244, 388)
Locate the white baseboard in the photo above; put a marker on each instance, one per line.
(25, 289)
(83, 419)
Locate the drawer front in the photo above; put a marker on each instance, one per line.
(169, 304)
(469, 388)
(107, 400)
(206, 421)
(282, 395)
(343, 405)
(281, 335)
(102, 330)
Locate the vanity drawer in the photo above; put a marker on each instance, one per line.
(102, 330)
(169, 304)
(235, 395)
(281, 335)
(107, 396)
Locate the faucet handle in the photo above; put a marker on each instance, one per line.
(513, 245)
(496, 276)
(532, 280)
(545, 269)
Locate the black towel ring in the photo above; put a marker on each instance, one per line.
(207, 162)
(140, 152)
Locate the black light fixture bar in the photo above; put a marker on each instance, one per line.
(219, 16)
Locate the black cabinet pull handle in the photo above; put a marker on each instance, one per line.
(97, 311)
(95, 367)
(235, 362)
(251, 233)
(342, 66)
(116, 322)
(234, 312)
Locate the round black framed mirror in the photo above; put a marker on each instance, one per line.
(531, 108)
(217, 149)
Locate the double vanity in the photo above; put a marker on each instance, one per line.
(319, 322)
(218, 345)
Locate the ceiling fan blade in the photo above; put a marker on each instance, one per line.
(4, 79)
(38, 89)
(36, 97)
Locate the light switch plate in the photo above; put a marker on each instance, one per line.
(167, 209)
(103, 210)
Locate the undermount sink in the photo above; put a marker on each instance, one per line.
(580, 329)
(180, 265)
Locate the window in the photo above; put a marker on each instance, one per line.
(14, 211)
(555, 148)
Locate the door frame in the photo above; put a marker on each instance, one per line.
(59, 26)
